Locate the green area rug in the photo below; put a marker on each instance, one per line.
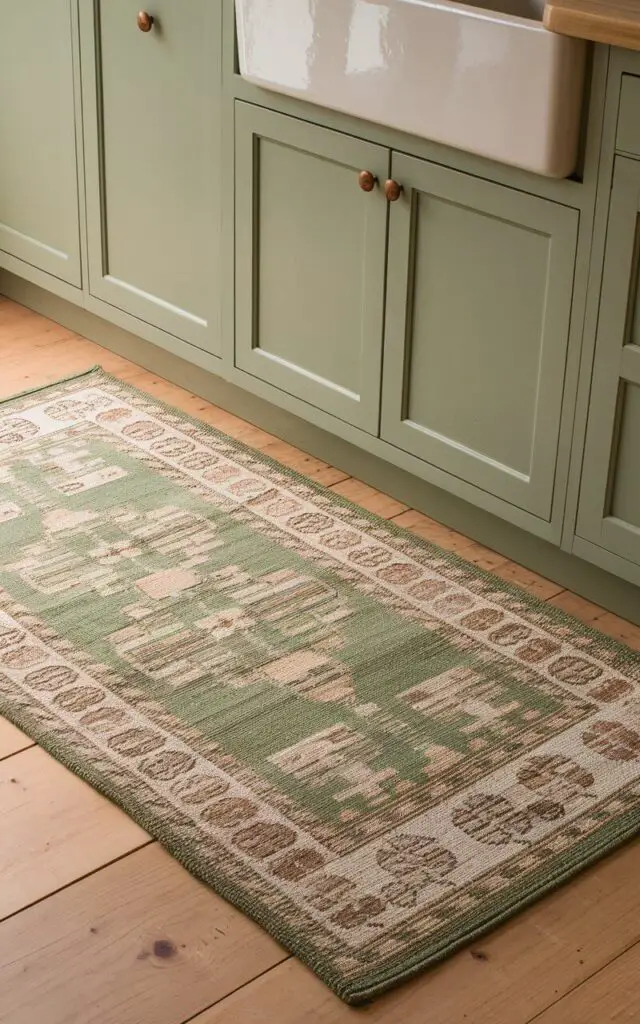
(372, 748)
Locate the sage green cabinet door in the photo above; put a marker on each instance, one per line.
(477, 322)
(310, 259)
(38, 170)
(152, 119)
(609, 509)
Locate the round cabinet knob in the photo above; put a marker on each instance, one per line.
(392, 190)
(367, 181)
(145, 21)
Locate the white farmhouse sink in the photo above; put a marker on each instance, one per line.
(494, 82)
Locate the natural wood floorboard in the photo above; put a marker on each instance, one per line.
(593, 615)
(141, 942)
(613, 994)
(431, 530)
(527, 580)
(382, 505)
(303, 463)
(619, 629)
(573, 604)
(55, 829)
(11, 739)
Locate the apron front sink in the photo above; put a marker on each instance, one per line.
(492, 82)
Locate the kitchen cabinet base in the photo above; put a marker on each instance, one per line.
(569, 571)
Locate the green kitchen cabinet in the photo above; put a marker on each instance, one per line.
(39, 220)
(152, 95)
(609, 507)
(310, 262)
(475, 278)
(480, 280)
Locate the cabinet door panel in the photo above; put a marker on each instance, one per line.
(309, 263)
(478, 306)
(609, 510)
(38, 170)
(153, 177)
(625, 479)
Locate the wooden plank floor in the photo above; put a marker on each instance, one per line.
(98, 925)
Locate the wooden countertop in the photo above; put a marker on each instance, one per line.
(616, 22)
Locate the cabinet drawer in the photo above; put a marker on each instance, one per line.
(628, 133)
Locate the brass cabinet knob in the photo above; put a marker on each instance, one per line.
(367, 181)
(392, 190)
(145, 21)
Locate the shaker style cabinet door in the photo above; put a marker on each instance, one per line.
(38, 169)
(310, 262)
(152, 97)
(609, 509)
(479, 289)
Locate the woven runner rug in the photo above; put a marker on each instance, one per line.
(372, 748)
